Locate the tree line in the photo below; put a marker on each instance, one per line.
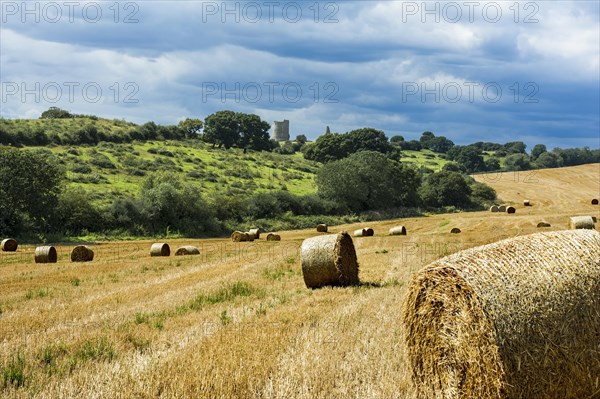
(37, 203)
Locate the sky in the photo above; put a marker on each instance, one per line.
(468, 70)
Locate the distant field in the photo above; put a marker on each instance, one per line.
(237, 321)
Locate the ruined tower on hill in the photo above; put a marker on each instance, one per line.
(281, 130)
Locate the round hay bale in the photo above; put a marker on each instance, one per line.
(455, 230)
(369, 232)
(594, 219)
(398, 231)
(494, 208)
(249, 236)
(238, 236)
(273, 237)
(160, 249)
(9, 245)
(510, 209)
(543, 224)
(82, 253)
(255, 233)
(322, 228)
(582, 222)
(514, 319)
(187, 250)
(360, 233)
(595, 201)
(502, 208)
(45, 254)
(526, 203)
(329, 260)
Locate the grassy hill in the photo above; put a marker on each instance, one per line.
(111, 169)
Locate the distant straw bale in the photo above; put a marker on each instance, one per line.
(160, 249)
(82, 253)
(239, 236)
(398, 231)
(455, 230)
(494, 208)
(187, 250)
(9, 245)
(582, 222)
(510, 209)
(543, 224)
(45, 254)
(273, 237)
(502, 208)
(322, 228)
(255, 233)
(514, 319)
(364, 232)
(595, 201)
(329, 260)
(526, 203)
(249, 236)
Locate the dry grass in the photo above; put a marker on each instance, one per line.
(237, 321)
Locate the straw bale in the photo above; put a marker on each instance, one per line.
(595, 201)
(510, 209)
(45, 254)
(82, 253)
(455, 230)
(187, 250)
(160, 249)
(526, 203)
(518, 318)
(582, 222)
(494, 208)
(398, 231)
(9, 245)
(255, 233)
(322, 228)
(329, 260)
(543, 224)
(502, 208)
(273, 237)
(364, 232)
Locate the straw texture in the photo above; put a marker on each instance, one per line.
(45, 254)
(398, 231)
(187, 250)
(322, 228)
(519, 318)
(82, 253)
(160, 249)
(582, 222)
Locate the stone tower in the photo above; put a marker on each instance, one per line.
(281, 130)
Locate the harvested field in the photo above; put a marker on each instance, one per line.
(237, 321)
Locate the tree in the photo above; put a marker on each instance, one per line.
(56, 113)
(492, 164)
(548, 160)
(368, 180)
(253, 132)
(29, 187)
(517, 162)
(469, 156)
(426, 137)
(515, 147)
(221, 128)
(440, 144)
(301, 139)
(191, 127)
(538, 150)
(444, 189)
(396, 140)
(330, 147)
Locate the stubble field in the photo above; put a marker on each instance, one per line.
(237, 321)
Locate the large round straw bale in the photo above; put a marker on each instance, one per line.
(398, 231)
(582, 222)
(45, 254)
(543, 224)
(255, 233)
(329, 260)
(369, 232)
(455, 230)
(82, 253)
(160, 249)
(501, 208)
(249, 236)
(494, 208)
(238, 236)
(518, 318)
(9, 245)
(273, 237)
(187, 250)
(595, 201)
(510, 209)
(322, 228)
(526, 203)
